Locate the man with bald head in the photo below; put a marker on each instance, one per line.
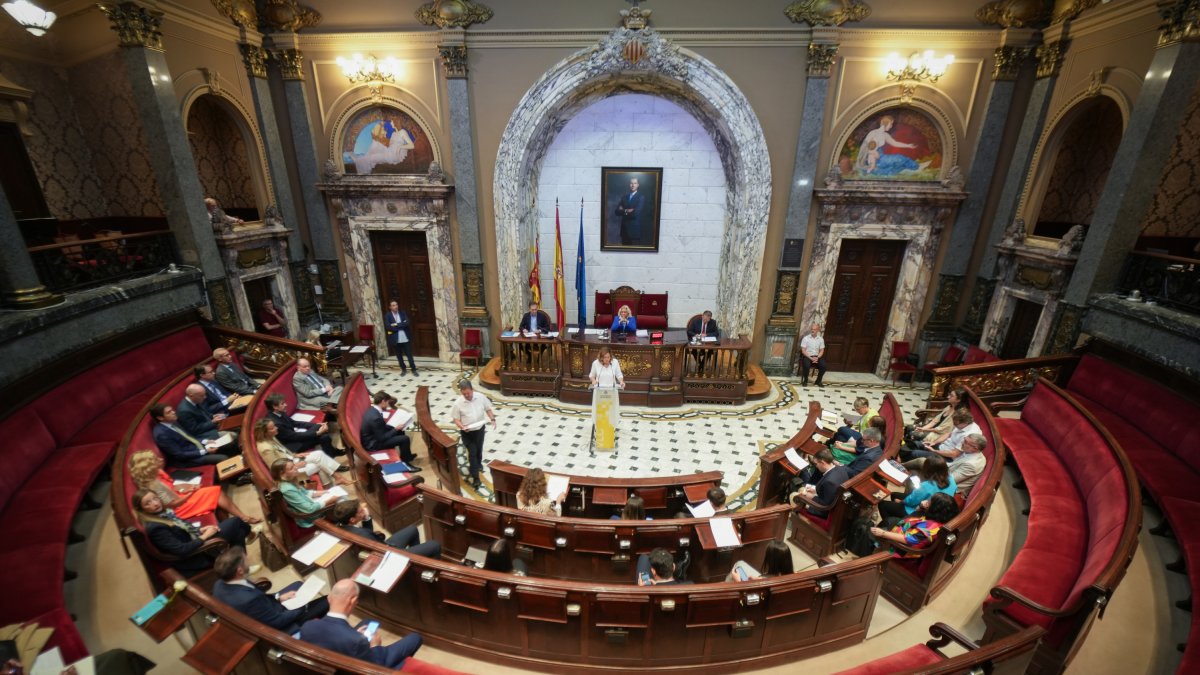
(333, 632)
(230, 376)
(194, 415)
(313, 392)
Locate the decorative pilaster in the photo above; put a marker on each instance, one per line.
(291, 63)
(977, 308)
(454, 60)
(220, 303)
(255, 59)
(1007, 62)
(1050, 58)
(20, 287)
(820, 59)
(1066, 329)
(136, 26)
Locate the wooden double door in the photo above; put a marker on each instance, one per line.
(402, 265)
(863, 291)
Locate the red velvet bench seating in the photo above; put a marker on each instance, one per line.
(911, 583)
(1084, 519)
(1010, 656)
(56, 443)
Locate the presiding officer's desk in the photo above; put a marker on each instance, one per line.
(661, 374)
(599, 497)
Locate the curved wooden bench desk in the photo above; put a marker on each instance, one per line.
(441, 446)
(774, 475)
(1010, 656)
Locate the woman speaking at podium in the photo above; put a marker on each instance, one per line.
(606, 371)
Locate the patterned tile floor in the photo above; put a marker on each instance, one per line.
(537, 431)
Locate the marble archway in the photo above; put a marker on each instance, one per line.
(645, 62)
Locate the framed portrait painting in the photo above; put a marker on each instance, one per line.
(897, 144)
(631, 199)
(382, 139)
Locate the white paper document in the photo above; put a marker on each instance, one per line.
(306, 593)
(552, 334)
(49, 662)
(795, 459)
(891, 471)
(556, 485)
(702, 510)
(572, 330)
(723, 533)
(381, 457)
(337, 491)
(333, 344)
(191, 481)
(708, 338)
(593, 331)
(303, 417)
(398, 477)
(315, 548)
(388, 572)
(220, 441)
(477, 425)
(359, 349)
(400, 418)
(643, 333)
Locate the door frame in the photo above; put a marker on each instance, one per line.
(893, 282)
(379, 282)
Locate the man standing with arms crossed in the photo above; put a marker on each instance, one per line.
(470, 414)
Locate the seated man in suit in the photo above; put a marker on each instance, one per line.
(828, 489)
(351, 515)
(314, 392)
(230, 376)
(704, 326)
(377, 435)
(196, 419)
(334, 632)
(535, 321)
(180, 448)
(299, 436)
(234, 589)
(870, 452)
(216, 398)
(657, 569)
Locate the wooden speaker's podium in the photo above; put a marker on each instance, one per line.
(606, 413)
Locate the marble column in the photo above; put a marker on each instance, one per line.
(1049, 63)
(454, 67)
(255, 59)
(320, 228)
(779, 355)
(20, 287)
(140, 38)
(1009, 63)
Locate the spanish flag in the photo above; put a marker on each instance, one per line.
(560, 298)
(535, 280)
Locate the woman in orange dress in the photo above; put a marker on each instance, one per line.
(146, 469)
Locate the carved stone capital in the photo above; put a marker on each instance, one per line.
(1008, 62)
(291, 63)
(453, 13)
(454, 60)
(1050, 58)
(825, 13)
(136, 26)
(255, 59)
(288, 16)
(820, 60)
(1181, 22)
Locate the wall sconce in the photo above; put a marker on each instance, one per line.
(31, 17)
(917, 68)
(370, 71)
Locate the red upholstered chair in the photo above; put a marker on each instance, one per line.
(899, 363)
(950, 357)
(472, 346)
(975, 355)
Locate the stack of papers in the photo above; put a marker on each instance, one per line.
(724, 533)
(359, 349)
(395, 472)
(319, 547)
(303, 417)
(389, 570)
(893, 472)
(306, 593)
(795, 459)
(702, 510)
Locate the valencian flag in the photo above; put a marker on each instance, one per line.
(580, 276)
(560, 291)
(535, 281)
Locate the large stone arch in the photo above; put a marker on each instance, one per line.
(644, 62)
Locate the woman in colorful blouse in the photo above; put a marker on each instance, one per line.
(919, 531)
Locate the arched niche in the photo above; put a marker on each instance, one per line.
(642, 62)
(919, 121)
(353, 112)
(206, 109)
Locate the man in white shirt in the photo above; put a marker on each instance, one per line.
(470, 413)
(812, 353)
(967, 467)
(949, 445)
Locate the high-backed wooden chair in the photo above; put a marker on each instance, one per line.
(625, 295)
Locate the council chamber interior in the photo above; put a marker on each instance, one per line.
(981, 206)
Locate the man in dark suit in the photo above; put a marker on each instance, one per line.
(230, 375)
(376, 434)
(704, 326)
(195, 418)
(180, 448)
(829, 488)
(870, 452)
(234, 589)
(216, 398)
(299, 436)
(535, 320)
(352, 516)
(629, 210)
(334, 632)
(399, 338)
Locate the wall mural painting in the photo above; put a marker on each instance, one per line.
(896, 144)
(383, 139)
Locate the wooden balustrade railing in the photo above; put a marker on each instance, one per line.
(265, 354)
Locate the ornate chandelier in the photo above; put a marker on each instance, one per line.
(370, 71)
(917, 68)
(31, 17)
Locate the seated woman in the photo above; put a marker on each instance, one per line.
(300, 500)
(935, 478)
(499, 559)
(776, 562)
(309, 463)
(314, 338)
(634, 509)
(957, 398)
(532, 495)
(624, 321)
(918, 531)
(845, 451)
(177, 537)
(352, 515)
(186, 501)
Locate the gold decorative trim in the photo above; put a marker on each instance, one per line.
(786, 285)
(241, 12)
(30, 298)
(253, 257)
(255, 59)
(473, 288)
(454, 60)
(825, 13)
(135, 25)
(1008, 61)
(291, 63)
(1073, 10)
(453, 13)
(1015, 14)
(1050, 58)
(995, 382)
(820, 60)
(1181, 23)
(288, 16)
(1032, 276)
